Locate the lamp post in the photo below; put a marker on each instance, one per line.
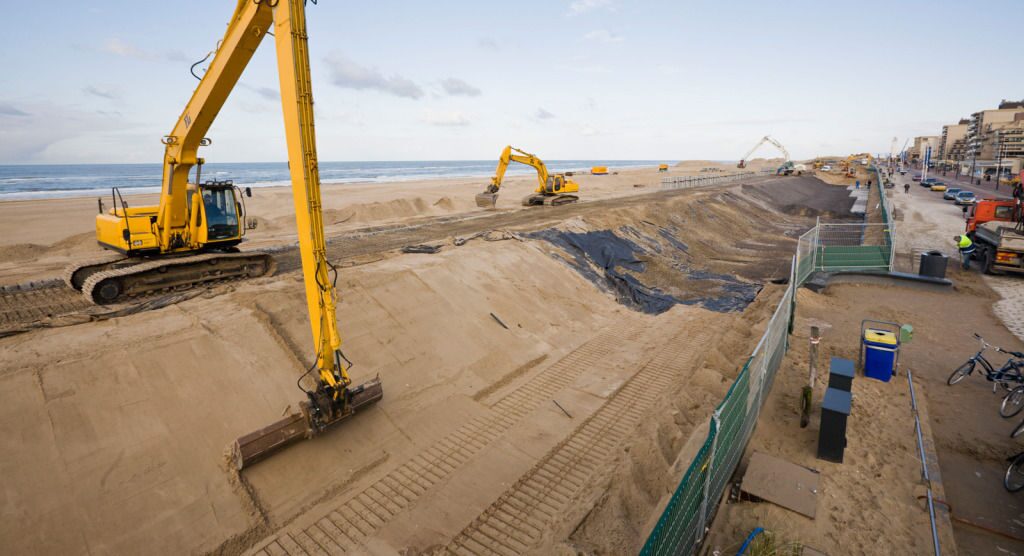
(999, 159)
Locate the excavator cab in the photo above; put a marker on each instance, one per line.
(555, 184)
(223, 210)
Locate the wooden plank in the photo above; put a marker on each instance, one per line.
(778, 481)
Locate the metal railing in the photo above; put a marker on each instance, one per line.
(687, 182)
(924, 464)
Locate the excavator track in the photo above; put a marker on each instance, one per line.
(548, 200)
(180, 273)
(76, 274)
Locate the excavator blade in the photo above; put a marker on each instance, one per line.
(260, 444)
(486, 200)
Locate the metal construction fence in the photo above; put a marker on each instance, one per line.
(828, 246)
(687, 182)
(689, 512)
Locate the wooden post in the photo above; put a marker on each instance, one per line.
(806, 398)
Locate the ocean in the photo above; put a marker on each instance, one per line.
(41, 181)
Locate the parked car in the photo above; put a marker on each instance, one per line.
(950, 194)
(826, 168)
(916, 178)
(903, 172)
(966, 198)
(928, 182)
(938, 187)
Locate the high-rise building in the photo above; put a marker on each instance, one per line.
(994, 139)
(952, 143)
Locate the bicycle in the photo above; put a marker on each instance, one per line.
(1009, 373)
(1014, 478)
(1013, 402)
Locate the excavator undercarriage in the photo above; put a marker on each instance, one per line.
(116, 279)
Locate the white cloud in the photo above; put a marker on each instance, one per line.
(589, 131)
(268, 93)
(603, 35)
(45, 132)
(349, 75)
(488, 43)
(583, 6)
(9, 110)
(457, 87)
(125, 49)
(543, 114)
(99, 92)
(446, 119)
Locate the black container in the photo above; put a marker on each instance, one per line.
(840, 374)
(933, 264)
(835, 409)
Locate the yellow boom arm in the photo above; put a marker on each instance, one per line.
(332, 400)
(246, 29)
(297, 103)
(523, 158)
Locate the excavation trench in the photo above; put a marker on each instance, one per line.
(603, 309)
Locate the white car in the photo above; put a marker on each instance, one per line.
(826, 168)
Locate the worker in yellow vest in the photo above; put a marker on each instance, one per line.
(966, 247)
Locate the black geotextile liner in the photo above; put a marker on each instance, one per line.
(610, 261)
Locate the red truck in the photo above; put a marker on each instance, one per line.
(991, 226)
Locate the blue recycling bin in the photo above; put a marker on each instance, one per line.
(880, 350)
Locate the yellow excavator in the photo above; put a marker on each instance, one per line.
(192, 217)
(191, 236)
(552, 189)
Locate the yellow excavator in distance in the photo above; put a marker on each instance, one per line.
(191, 217)
(552, 189)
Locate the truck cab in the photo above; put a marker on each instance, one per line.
(988, 210)
(1000, 245)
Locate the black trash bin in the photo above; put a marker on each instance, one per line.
(933, 264)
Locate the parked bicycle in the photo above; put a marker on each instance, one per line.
(1013, 402)
(1014, 479)
(1009, 376)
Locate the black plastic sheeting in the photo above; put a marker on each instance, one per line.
(610, 261)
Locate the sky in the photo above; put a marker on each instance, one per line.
(101, 82)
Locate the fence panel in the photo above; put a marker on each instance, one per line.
(830, 247)
(853, 246)
(682, 525)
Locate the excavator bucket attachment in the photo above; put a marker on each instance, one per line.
(260, 444)
(486, 200)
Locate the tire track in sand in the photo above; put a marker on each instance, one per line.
(525, 512)
(345, 526)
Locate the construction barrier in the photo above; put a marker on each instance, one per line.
(687, 182)
(829, 247)
(689, 512)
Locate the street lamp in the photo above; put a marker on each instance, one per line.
(999, 159)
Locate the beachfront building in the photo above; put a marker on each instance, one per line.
(920, 148)
(993, 140)
(951, 146)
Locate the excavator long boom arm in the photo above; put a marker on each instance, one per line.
(766, 139)
(248, 26)
(332, 400)
(523, 157)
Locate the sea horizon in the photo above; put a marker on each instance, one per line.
(45, 181)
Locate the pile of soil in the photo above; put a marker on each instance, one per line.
(805, 196)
